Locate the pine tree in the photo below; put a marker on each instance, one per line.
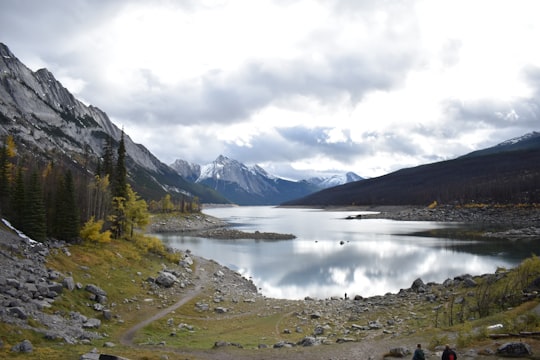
(66, 222)
(120, 188)
(107, 167)
(18, 203)
(34, 217)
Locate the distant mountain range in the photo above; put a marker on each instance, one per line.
(245, 185)
(50, 124)
(506, 173)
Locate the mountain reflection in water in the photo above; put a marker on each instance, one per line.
(332, 256)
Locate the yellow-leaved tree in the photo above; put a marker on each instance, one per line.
(91, 231)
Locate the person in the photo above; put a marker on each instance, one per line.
(448, 354)
(418, 353)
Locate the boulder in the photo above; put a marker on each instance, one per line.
(514, 349)
(18, 312)
(418, 285)
(166, 279)
(96, 290)
(92, 323)
(308, 341)
(23, 347)
(400, 351)
(69, 283)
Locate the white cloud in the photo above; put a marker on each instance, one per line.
(297, 86)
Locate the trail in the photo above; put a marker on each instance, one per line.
(202, 278)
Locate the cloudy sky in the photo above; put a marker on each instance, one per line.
(294, 86)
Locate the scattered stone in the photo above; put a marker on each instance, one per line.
(400, 351)
(69, 283)
(96, 290)
(23, 347)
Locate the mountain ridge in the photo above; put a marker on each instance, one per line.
(50, 123)
(505, 174)
(253, 185)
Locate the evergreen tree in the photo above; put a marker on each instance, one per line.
(66, 222)
(120, 178)
(18, 200)
(34, 217)
(107, 167)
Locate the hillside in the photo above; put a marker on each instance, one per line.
(49, 125)
(506, 173)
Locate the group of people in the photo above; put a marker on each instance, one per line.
(448, 353)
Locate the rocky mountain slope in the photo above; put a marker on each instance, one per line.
(506, 173)
(253, 185)
(49, 123)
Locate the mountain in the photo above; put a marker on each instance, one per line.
(50, 125)
(334, 180)
(245, 185)
(505, 173)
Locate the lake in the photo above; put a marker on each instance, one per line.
(332, 256)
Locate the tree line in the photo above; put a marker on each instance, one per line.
(52, 200)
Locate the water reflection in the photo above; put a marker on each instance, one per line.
(332, 256)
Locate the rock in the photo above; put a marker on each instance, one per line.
(308, 341)
(166, 279)
(220, 344)
(319, 330)
(220, 310)
(96, 290)
(418, 285)
(469, 282)
(90, 356)
(400, 351)
(514, 349)
(374, 325)
(107, 314)
(69, 283)
(316, 315)
(23, 347)
(283, 344)
(92, 323)
(109, 344)
(18, 312)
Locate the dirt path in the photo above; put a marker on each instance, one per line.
(200, 274)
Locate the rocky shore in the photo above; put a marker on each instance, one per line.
(206, 226)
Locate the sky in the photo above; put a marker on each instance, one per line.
(298, 87)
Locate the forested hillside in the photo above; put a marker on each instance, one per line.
(508, 173)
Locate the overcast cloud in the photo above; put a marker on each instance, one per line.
(294, 86)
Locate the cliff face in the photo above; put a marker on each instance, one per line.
(47, 121)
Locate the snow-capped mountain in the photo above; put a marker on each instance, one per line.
(49, 124)
(334, 180)
(252, 185)
(187, 170)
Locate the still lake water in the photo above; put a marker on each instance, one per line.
(377, 256)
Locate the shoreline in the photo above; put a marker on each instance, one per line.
(485, 221)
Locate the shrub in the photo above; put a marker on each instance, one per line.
(91, 231)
